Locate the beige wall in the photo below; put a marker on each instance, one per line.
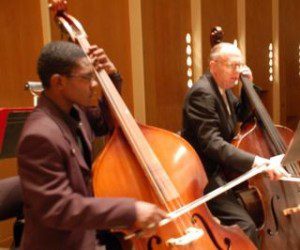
(259, 14)
(107, 25)
(213, 14)
(156, 29)
(289, 26)
(20, 43)
(165, 24)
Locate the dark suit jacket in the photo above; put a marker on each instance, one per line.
(60, 212)
(209, 128)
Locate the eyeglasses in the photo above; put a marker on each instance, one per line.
(88, 77)
(231, 65)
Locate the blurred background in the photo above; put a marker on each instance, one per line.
(160, 47)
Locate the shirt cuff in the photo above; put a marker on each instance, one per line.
(116, 77)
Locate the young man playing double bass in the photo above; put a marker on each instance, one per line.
(54, 157)
(210, 116)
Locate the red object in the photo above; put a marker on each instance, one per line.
(4, 113)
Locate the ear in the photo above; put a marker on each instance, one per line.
(57, 81)
(212, 65)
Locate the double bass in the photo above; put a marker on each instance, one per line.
(273, 205)
(156, 166)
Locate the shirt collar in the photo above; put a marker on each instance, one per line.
(72, 119)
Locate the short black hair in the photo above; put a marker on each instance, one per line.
(58, 57)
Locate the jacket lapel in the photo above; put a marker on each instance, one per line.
(217, 94)
(228, 121)
(229, 95)
(49, 108)
(86, 137)
(75, 149)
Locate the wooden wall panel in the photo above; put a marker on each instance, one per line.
(19, 47)
(164, 27)
(217, 13)
(20, 44)
(7, 168)
(289, 26)
(259, 14)
(165, 24)
(107, 25)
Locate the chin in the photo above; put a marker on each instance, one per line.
(232, 84)
(228, 86)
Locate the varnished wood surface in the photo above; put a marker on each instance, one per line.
(123, 176)
(289, 36)
(259, 14)
(8, 168)
(20, 43)
(107, 24)
(165, 25)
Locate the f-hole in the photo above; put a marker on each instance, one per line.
(275, 230)
(153, 238)
(199, 217)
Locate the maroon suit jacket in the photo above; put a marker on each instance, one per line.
(60, 212)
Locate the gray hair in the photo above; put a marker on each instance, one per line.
(222, 49)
